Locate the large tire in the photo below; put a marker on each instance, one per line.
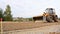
(49, 19)
(55, 18)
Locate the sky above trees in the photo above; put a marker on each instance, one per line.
(30, 8)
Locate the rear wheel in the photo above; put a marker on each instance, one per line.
(55, 18)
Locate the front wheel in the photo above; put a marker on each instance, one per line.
(49, 19)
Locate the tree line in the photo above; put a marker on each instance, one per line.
(6, 15)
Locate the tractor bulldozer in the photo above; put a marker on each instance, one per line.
(48, 16)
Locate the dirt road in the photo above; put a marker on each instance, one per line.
(53, 29)
(22, 26)
(31, 28)
(43, 30)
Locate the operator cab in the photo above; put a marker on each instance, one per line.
(50, 11)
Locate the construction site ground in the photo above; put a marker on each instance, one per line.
(10, 26)
(30, 27)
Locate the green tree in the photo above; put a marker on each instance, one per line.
(1, 13)
(7, 14)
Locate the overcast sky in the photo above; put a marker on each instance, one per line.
(30, 8)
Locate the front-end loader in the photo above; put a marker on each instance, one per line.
(48, 16)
